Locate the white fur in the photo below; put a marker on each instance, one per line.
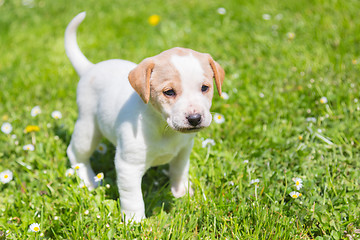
(192, 100)
(109, 107)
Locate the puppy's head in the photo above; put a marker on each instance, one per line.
(179, 84)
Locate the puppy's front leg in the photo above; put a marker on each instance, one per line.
(179, 170)
(129, 176)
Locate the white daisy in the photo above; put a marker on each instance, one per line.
(69, 172)
(221, 11)
(6, 128)
(78, 166)
(218, 118)
(323, 100)
(28, 3)
(56, 114)
(102, 148)
(298, 183)
(82, 185)
(29, 147)
(279, 16)
(208, 142)
(266, 16)
(35, 227)
(99, 177)
(311, 119)
(35, 111)
(6, 176)
(254, 181)
(224, 96)
(294, 194)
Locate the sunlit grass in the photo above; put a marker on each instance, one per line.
(291, 111)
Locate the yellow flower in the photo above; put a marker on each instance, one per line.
(354, 61)
(31, 128)
(290, 35)
(154, 20)
(300, 137)
(5, 117)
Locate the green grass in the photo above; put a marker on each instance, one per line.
(274, 83)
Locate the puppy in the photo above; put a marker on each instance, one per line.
(150, 112)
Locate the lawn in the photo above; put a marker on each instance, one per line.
(293, 111)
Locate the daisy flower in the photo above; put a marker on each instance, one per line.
(82, 185)
(298, 183)
(254, 181)
(266, 17)
(323, 100)
(78, 166)
(99, 177)
(6, 176)
(56, 114)
(294, 194)
(29, 147)
(69, 172)
(224, 96)
(218, 118)
(208, 142)
(102, 148)
(154, 20)
(35, 227)
(31, 128)
(311, 119)
(221, 11)
(290, 35)
(6, 128)
(35, 111)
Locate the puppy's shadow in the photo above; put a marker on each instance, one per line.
(155, 183)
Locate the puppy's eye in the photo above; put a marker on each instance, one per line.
(204, 88)
(170, 93)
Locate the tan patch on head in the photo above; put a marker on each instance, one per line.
(155, 74)
(164, 77)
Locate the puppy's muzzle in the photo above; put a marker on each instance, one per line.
(194, 119)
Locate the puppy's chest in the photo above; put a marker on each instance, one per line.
(163, 151)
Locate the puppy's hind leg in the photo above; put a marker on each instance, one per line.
(83, 142)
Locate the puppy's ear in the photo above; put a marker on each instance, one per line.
(219, 74)
(139, 78)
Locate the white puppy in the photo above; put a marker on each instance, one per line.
(150, 112)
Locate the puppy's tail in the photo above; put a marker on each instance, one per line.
(77, 58)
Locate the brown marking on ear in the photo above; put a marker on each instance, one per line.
(219, 74)
(139, 78)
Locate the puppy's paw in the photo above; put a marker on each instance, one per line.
(182, 189)
(132, 217)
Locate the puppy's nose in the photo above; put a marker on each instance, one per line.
(194, 119)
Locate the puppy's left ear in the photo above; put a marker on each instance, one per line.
(219, 74)
(139, 78)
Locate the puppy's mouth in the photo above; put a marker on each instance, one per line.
(189, 129)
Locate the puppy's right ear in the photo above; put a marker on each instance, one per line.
(139, 78)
